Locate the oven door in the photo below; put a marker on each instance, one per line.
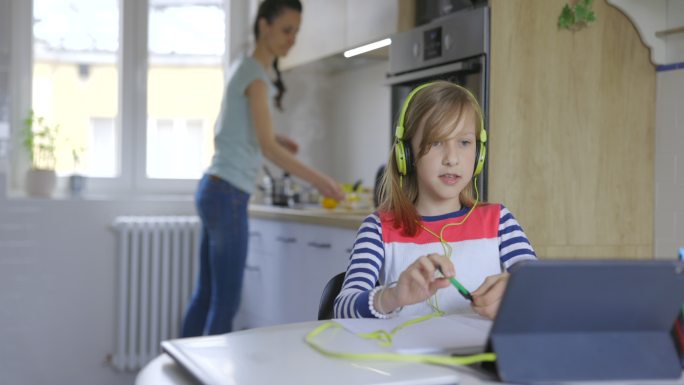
(467, 73)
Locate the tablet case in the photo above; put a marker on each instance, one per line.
(589, 320)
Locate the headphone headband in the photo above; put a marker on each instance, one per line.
(399, 132)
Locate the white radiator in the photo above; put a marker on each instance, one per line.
(157, 270)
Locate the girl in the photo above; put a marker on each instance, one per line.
(244, 131)
(429, 225)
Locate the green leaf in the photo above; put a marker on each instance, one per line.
(566, 18)
(576, 16)
(591, 16)
(581, 12)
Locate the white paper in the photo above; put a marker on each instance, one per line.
(451, 334)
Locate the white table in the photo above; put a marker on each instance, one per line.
(279, 355)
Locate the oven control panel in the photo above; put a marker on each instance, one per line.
(454, 37)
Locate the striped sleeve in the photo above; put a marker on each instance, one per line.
(363, 271)
(513, 243)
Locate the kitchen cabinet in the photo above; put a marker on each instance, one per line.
(321, 34)
(369, 21)
(332, 26)
(288, 265)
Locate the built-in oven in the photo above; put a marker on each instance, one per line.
(454, 48)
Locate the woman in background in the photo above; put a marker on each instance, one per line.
(244, 132)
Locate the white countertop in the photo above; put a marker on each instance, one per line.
(339, 217)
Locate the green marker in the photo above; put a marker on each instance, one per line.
(461, 289)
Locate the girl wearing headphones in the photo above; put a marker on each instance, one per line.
(244, 132)
(430, 232)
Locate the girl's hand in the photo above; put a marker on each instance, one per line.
(287, 143)
(487, 297)
(418, 282)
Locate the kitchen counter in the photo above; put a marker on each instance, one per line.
(339, 217)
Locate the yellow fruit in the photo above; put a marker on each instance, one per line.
(329, 203)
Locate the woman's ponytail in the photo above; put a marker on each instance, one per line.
(278, 82)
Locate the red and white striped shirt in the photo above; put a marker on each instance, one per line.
(488, 242)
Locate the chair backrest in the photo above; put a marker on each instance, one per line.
(332, 288)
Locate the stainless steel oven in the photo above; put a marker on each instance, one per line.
(454, 48)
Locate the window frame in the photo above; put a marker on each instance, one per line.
(131, 120)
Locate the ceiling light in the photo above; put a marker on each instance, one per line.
(367, 47)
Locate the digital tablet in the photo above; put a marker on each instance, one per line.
(589, 320)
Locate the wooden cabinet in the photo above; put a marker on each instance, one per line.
(332, 26)
(288, 265)
(572, 130)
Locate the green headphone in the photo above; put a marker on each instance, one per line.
(402, 150)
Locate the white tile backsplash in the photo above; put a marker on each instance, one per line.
(5, 32)
(665, 172)
(665, 224)
(679, 228)
(669, 163)
(340, 117)
(674, 44)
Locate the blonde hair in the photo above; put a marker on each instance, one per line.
(437, 109)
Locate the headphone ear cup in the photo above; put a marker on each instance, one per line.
(403, 157)
(400, 156)
(480, 158)
(409, 158)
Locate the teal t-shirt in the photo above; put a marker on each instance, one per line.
(237, 155)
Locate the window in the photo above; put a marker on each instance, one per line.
(150, 135)
(75, 77)
(102, 141)
(175, 148)
(184, 87)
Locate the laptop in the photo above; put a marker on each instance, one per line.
(589, 320)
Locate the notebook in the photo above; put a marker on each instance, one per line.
(451, 334)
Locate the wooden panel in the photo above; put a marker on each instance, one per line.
(572, 126)
(593, 252)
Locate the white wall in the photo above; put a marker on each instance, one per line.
(669, 161)
(57, 288)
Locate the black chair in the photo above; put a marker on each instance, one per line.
(332, 288)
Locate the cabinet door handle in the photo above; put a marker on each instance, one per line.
(349, 250)
(252, 268)
(255, 234)
(286, 239)
(320, 245)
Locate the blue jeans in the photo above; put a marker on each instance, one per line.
(223, 252)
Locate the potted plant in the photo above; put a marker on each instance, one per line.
(39, 142)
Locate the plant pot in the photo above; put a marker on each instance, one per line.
(40, 183)
(77, 184)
